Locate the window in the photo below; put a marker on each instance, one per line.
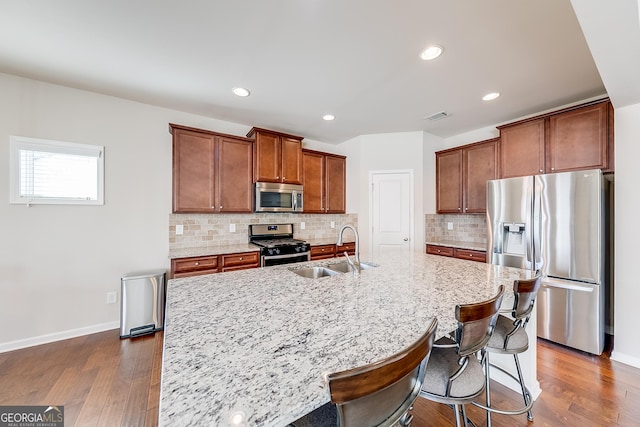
(56, 172)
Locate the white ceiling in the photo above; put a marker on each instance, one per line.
(301, 59)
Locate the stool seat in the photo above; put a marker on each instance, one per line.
(518, 342)
(443, 363)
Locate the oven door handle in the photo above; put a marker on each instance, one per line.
(294, 200)
(297, 254)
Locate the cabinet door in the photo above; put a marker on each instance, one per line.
(449, 181)
(193, 172)
(578, 139)
(336, 175)
(267, 157)
(291, 160)
(522, 149)
(480, 165)
(234, 170)
(313, 182)
(323, 252)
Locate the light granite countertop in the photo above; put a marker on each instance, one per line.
(475, 246)
(256, 343)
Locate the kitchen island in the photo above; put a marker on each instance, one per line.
(253, 346)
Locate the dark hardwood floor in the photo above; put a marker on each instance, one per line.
(104, 381)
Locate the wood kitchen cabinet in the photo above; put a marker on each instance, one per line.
(277, 156)
(212, 172)
(575, 138)
(578, 139)
(324, 181)
(194, 266)
(522, 149)
(462, 174)
(239, 261)
(468, 254)
(349, 248)
(323, 252)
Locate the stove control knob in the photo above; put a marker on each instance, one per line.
(297, 248)
(270, 251)
(277, 251)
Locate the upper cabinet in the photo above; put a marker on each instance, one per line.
(324, 181)
(522, 149)
(571, 139)
(462, 174)
(277, 156)
(212, 172)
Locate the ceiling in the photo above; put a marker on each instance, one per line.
(301, 59)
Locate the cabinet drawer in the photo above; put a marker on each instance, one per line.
(439, 250)
(181, 267)
(350, 248)
(323, 251)
(471, 255)
(239, 261)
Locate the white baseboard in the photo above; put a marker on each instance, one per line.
(626, 359)
(57, 336)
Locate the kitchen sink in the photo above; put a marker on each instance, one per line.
(344, 267)
(315, 272)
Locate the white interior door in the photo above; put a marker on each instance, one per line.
(391, 212)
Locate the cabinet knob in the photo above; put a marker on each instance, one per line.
(438, 250)
(241, 258)
(540, 171)
(196, 263)
(459, 209)
(466, 209)
(220, 207)
(553, 169)
(470, 255)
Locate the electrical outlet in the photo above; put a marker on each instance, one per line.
(450, 226)
(179, 229)
(333, 224)
(232, 228)
(112, 297)
(302, 225)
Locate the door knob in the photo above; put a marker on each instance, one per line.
(406, 239)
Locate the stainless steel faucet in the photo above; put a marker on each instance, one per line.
(355, 266)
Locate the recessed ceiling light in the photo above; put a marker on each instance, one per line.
(490, 96)
(432, 52)
(240, 91)
(328, 117)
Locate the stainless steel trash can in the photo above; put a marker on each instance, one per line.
(142, 303)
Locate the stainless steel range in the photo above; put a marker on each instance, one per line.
(277, 245)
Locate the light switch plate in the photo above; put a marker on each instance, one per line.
(450, 225)
(333, 224)
(302, 225)
(232, 228)
(179, 229)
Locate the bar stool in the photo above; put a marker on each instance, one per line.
(380, 394)
(454, 373)
(510, 337)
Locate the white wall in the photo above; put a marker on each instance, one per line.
(627, 235)
(58, 262)
(389, 151)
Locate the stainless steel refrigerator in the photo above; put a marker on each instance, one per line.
(556, 223)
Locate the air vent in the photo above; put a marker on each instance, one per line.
(437, 116)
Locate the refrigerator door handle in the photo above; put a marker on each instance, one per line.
(570, 287)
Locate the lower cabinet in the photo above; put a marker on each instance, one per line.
(349, 248)
(195, 266)
(242, 261)
(323, 251)
(469, 254)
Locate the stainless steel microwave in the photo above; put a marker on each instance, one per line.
(274, 197)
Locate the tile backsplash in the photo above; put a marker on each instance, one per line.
(466, 228)
(212, 230)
